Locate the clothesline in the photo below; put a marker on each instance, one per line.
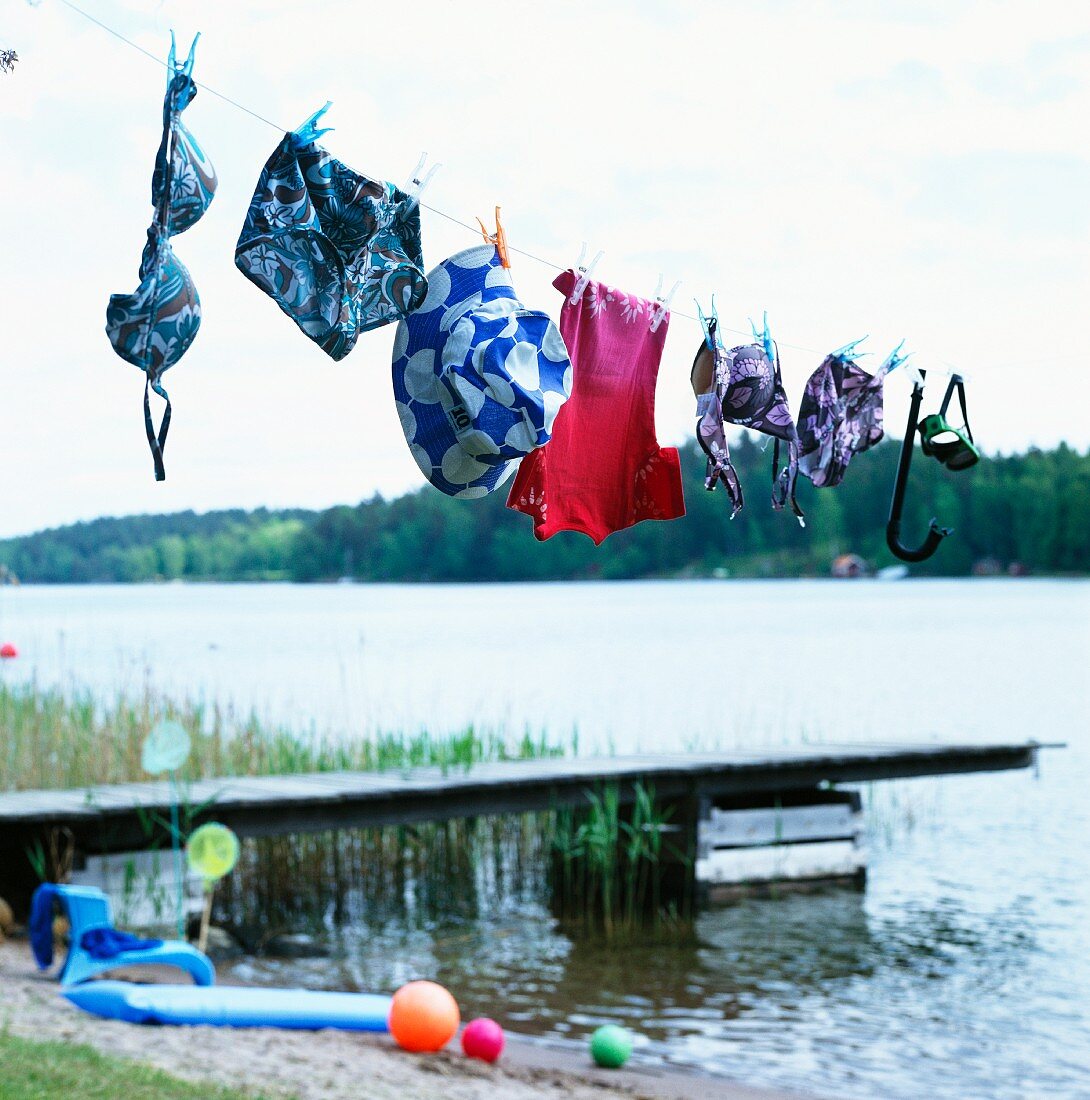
(450, 217)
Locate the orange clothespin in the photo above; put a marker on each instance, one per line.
(499, 239)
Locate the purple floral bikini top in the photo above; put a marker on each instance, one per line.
(743, 386)
(841, 414)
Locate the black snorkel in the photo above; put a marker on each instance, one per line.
(935, 533)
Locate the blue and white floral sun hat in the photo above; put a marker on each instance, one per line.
(478, 379)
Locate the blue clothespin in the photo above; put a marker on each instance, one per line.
(710, 325)
(309, 132)
(847, 351)
(764, 338)
(186, 68)
(895, 358)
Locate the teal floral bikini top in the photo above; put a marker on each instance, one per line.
(152, 327)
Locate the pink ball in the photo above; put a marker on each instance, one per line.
(483, 1039)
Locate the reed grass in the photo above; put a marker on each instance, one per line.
(53, 738)
(610, 866)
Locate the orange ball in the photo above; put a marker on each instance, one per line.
(423, 1017)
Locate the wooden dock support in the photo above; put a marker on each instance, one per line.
(18, 876)
(793, 840)
(680, 853)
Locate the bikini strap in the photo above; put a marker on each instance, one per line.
(157, 443)
(726, 473)
(713, 442)
(785, 480)
(711, 431)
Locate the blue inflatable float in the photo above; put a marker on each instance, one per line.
(231, 1006)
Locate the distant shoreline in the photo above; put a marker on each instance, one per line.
(501, 582)
(1019, 514)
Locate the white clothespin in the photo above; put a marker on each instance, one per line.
(662, 305)
(912, 375)
(585, 271)
(416, 183)
(956, 372)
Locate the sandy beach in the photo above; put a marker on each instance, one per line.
(328, 1065)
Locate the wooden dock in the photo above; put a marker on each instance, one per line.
(115, 818)
(119, 818)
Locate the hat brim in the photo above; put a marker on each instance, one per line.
(429, 434)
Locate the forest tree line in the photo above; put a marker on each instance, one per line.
(1031, 510)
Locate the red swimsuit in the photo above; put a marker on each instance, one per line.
(603, 470)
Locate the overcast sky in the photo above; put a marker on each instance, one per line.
(904, 169)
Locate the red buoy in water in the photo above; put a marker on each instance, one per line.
(7, 651)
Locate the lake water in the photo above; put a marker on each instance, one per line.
(962, 971)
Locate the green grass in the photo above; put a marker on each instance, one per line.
(31, 1070)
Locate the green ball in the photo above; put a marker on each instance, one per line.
(610, 1046)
